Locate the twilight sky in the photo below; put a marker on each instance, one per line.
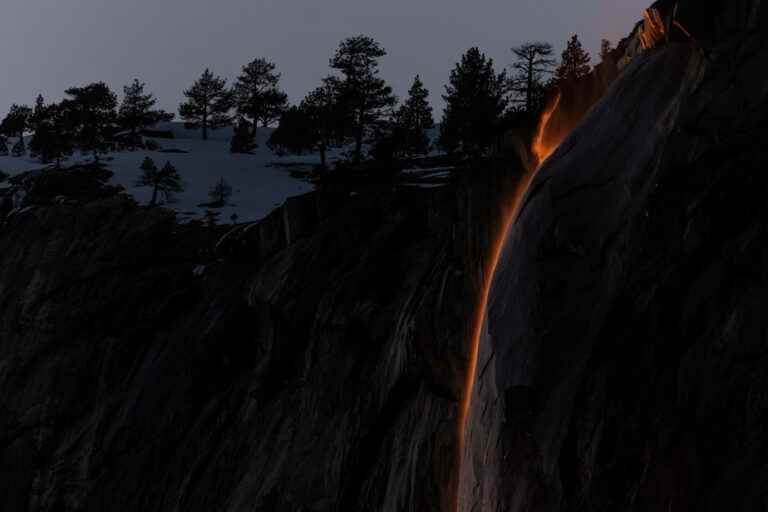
(50, 45)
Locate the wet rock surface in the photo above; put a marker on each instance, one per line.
(623, 364)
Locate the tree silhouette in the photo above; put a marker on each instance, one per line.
(574, 64)
(92, 110)
(257, 95)
(54, 132)
(316, 124)
(295, 133)
(3, 145)
(242, 138)
(220, 193)
(16, 122)
(137, 109)
(166, 180)
(534, 61)
(364, 93)
(605, 49)
(475, 102)
(412, 120)
(208, 104)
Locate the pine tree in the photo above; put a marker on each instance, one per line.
(171, 181)
(149, 178)
(605, 49)
(208, 104)
(475, 103)
(54, 134)
(316, 124)
(93, 111)
(166, 181)
(17, 121)
(37, 111)
(242, 139)
(574, 64)
(412, 121)
(328, 116)
(364, 93)
(137, 109)
(534, 61)
(257, 95)
(36, 120)
(220, 193)
(295, 133)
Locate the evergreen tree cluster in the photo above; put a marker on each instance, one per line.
(258, 98)
(88, 119)
(92, 116)
(476, 99)
(317, 124)
(479, 100)
(15, 124)
(54, 132)
(412, 121)
(255, 98)
(165, 181)
(353, 106)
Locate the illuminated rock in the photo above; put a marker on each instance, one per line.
(618, 366)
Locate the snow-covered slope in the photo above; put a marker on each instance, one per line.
(259, 182)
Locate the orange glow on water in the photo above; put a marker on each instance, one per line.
(498, 247)
(542, 147)
(653, 30)
(541, 151)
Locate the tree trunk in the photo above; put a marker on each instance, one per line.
(323, 157)
(153, 202)
(255, 126)
(359, 138)
(205, 126)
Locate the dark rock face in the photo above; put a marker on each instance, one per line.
(312, 362)
(623, 365)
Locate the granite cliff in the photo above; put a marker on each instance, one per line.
(622, 364)
(317, 360)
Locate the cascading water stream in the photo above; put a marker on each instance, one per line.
(541, 149)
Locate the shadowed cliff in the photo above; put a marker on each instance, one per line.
(313, 361)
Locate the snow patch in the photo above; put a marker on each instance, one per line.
(260, 181)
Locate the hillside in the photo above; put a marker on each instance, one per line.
(260, 182)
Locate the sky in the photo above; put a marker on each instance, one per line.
(49, 45)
